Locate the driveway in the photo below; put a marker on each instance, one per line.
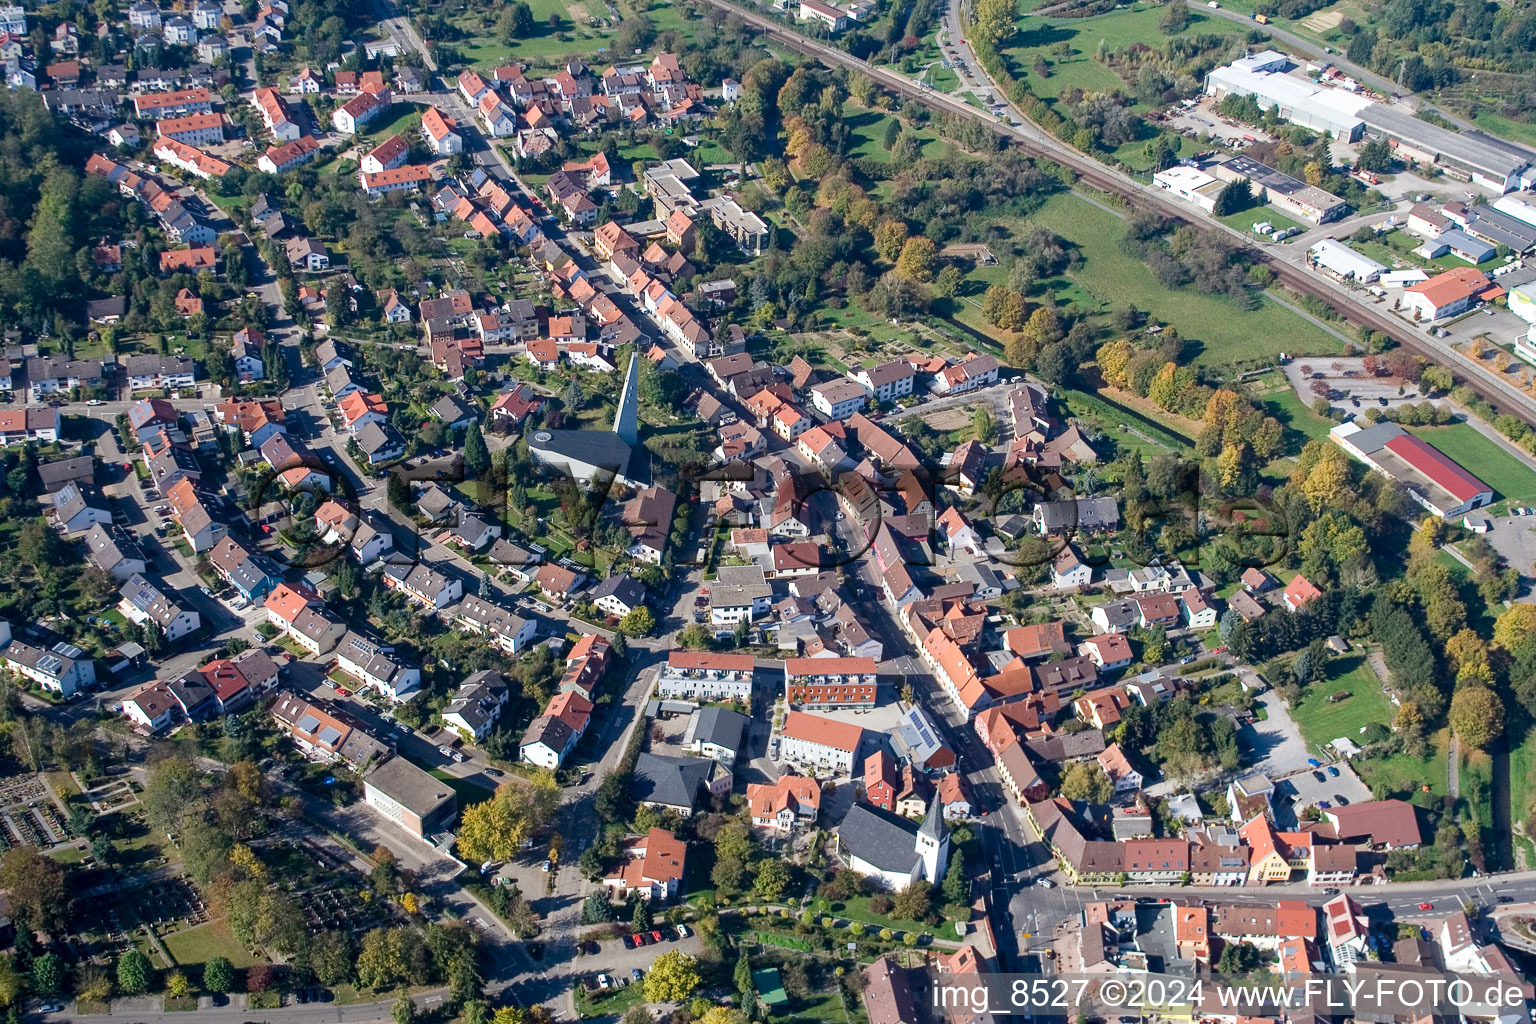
(1275, 746)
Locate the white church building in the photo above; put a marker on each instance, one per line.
(892, 850)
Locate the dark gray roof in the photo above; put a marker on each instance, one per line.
(624, 587)
(108, 547)
(55, 475)
(450, 410)
(1064, 745)
(673, 781)
(886, 840)
(1081, 513)
(375, 438)
(722, 727)
(550, 730)
(600, 448)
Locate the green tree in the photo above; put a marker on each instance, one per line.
(639, 622)
(957, 884)
(133, 971)
(476, 455)
(772, 879)
(673, 977)
(1085, 780)
(219, 974)
(404, 1011)
(47, 974)
(913, 902)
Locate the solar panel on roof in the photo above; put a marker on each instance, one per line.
(330, 735)
(309, 723)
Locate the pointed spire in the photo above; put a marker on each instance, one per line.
(626, 419)
(933, 825)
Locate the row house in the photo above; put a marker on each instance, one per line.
(707, 677)
(423, 584)
(276, 115)
(289, 155)
(828, 683)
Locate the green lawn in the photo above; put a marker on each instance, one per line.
(1401, 775)
(868, 128)
(1215, 331)
(484, 50)
(1244, 220)
(1322, 722)
(1509, 478)
(196, 945)
(469, 792)
(1289, 409)
(1040, 37)
(1522, 774)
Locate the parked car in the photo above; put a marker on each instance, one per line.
(656, 936)
(636, 973)
(1333, 772)
(1341, 801)
(1320, 777)
(1313, 762)
(602, 981)
(629, 942)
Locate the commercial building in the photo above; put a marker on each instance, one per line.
(1471, 155)
(1282, 191)
(830, 682)
(410, 798)
(1342, 261)
(1298, 100)
(1447, 294)
(1190, 184)
(1430, 477)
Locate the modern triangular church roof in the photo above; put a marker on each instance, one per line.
(626, 419)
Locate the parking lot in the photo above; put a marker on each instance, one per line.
(1304, 789)
(1514, 537)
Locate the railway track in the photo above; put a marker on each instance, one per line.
(1032, 140)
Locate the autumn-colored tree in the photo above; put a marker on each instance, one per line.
(919, 259)
(890, 236)
(1164, 392)
(1476, 716)
(1468, 654)
(673, 977)
(1325, 482)
(1232, 467)
(1114, 358)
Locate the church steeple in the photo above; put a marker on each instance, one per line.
(932, 842)
(626, 420)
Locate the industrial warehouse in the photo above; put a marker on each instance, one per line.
(1350, 116)
(1428, 474)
